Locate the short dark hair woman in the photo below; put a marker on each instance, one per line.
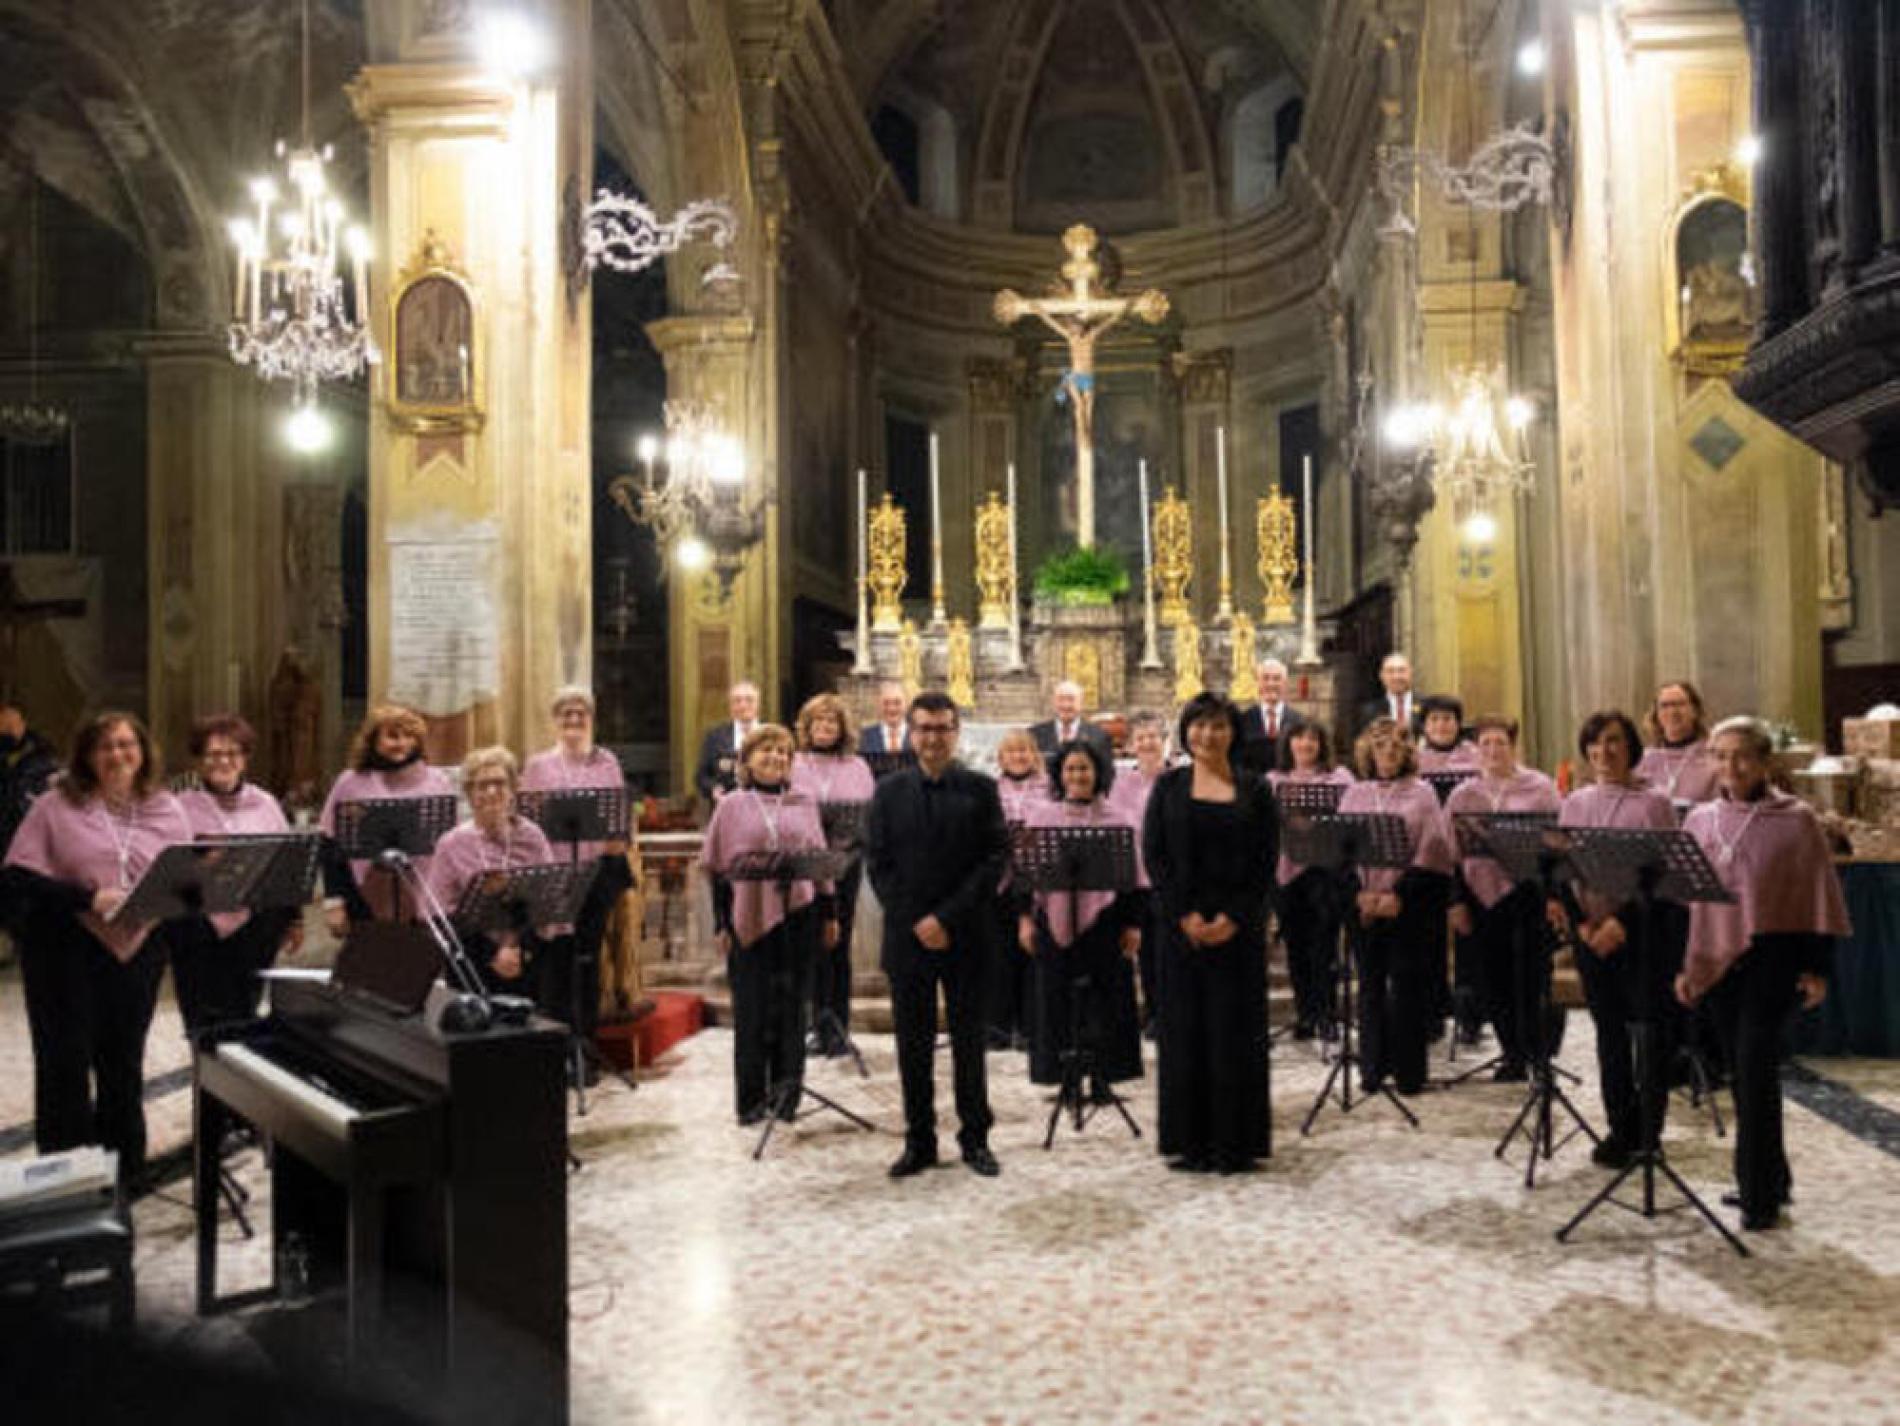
(1209, 841)
(91, 981)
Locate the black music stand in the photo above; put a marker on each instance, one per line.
(411, 826)
(1622, 864)
(289, 880)
(1446, 780)
(1066, 861)
(1531, 851)
(1342, 842)
(844, 824)
(575, 815)
(1297, 799)
(784, 868)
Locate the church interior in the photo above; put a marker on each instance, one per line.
(479, 359)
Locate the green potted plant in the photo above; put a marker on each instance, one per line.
(1078, 577)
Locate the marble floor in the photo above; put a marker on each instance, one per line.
(1370, 1273)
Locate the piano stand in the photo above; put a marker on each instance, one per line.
(235, 1196)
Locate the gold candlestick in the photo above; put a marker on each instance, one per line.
(1173, 556)
(1279, 558)
(962, 668)
(995, 580)
(887, 566)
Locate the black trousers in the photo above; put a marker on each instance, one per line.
(831, 969)
(570, 964)
(1008, 979)
(915, 975)
(1401, 967)
(88, 1014)
(217, 980)
(1512, 962)
(771, 981)
(1309, 924)
(1748, 1006)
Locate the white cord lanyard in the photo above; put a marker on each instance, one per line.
(1726, 847)
(122, 834)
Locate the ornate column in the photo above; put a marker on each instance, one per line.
(480, 539)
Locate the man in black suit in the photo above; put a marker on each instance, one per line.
(1068, 724)
(889, 733)
(1398, 704)
(935, 845)
(718, 770)
(1268, 722)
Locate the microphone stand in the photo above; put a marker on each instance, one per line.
(473, 1009)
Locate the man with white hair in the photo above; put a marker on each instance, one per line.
(1066, 723)
(890, 733)
(718, 770)
(1268, 722)
(1397, 703)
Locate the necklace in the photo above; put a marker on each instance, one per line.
(767, 815)
(507, 849)
(123, 830)
(1726, 847)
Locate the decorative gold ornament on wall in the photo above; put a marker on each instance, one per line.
(962, 665)
(436, 366)
(1242, 687)
(1188, 679)
(1714, 295)
(1276, 537)
(995, 573)
(910, 659)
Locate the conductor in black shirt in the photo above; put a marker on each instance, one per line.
(935, 847)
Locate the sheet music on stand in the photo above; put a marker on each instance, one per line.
(805, 864)
(1340, 839)
(1057, 859)
(844, 824)
(578, 814)
(1309, 796)
(1445, 780)
(1617, 862)
(1497, 836)
(195, 879)
(367, 828)
(289, 880)
(546, 894)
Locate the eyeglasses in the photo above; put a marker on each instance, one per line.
(222, 755)
(924, 730)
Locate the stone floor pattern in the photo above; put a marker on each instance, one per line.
(1369, 1273)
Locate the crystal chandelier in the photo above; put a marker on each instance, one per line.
(626, 235)
(33, 422)
(691, 492)
(292, 320)
(1476, 446)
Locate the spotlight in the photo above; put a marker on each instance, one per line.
(1481, 528)
(1748, 151)
(1530, 58)
(693, 554)
(307, 430)
(510, 45)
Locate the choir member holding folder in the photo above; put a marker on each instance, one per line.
(1309, 897)
(91, 982)
(1402, 910)
(1022, 782)
(495, 839)
(1756, 958)
(825, 769)
(768, 931)
(385, 762)
(216, 959)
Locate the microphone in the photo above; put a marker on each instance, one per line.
(392, 859)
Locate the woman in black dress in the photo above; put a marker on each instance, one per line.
(1209, 841)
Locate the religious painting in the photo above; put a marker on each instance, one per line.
(1714, 297)
(434, 369)
(1128, 430)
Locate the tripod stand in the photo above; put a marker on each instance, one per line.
(1063, 862)
(783, 869)
(1610, 860)
(1343, 842)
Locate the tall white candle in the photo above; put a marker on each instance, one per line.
(1015, 575)
(1226, 566)
(1150, 658)
(864, 552)
(861, 663)
(938, 614)
(1306, 512)
(1147, 534)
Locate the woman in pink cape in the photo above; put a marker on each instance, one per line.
(1022, 782)
(91, 980)
(1310, 899)
(1758, 957)
(385, 762)
(827, 769)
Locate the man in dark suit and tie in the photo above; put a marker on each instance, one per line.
(1068, 724)
(890, 733)
(1268, 722)
(1398, 704)
(935, 847)
(718, 769)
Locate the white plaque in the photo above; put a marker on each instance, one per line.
(444, 645)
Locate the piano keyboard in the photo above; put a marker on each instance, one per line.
(318, 1096)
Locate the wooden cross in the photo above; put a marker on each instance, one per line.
(1081, 316)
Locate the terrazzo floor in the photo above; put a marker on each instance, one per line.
(1370, 1273)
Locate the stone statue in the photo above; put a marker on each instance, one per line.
(296, 714)
(1081, 316)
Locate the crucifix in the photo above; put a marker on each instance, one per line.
(1081, 315)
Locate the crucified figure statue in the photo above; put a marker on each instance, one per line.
(1081, 316)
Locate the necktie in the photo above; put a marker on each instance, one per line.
(1273, 721)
